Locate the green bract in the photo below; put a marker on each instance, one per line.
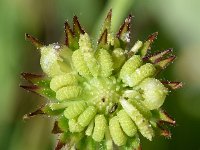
(102, 95)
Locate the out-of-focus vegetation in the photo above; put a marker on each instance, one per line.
(177, 22)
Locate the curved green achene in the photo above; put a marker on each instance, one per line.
(52, 61)
(105, 95)
(154, 93)
(116, 132)
(105, 62)
(74, 126)
(91, 63)
(141, 122)
(74, 110)
(108, 138)
(68, 92)
(147, 70)
(132, 143)
(85, 118)
(79, 64)
(88, 54)
(90, 128)
(63, 80)
(129, 67)
(139, 104)
(99, 128)
(118, 57)
(126, 123)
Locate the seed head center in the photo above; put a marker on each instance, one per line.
(103, 93)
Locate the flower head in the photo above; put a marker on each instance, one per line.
(102, 95)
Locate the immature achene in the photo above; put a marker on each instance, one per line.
(102, 96)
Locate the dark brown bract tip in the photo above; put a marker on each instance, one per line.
(103, 42)
(153, 36)
(31, 88)
(77, 29)
(172, 84)
(107, 23)
(41, 91)
(124, 31)
(165, 62)
(32, 114)
(109, 15)
(68, 34)
(166, 118)
(59, 145)
(164, 132)
(156, 57)
(34, 41)
(147, 44)
(30, 76)
(56, 128)
(139, 147)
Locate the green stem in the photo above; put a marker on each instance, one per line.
(120, 9)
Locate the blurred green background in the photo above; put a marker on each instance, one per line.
(178, 24)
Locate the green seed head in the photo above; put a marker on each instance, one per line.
(102, 95)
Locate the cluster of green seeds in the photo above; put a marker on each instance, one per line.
(105, 95)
